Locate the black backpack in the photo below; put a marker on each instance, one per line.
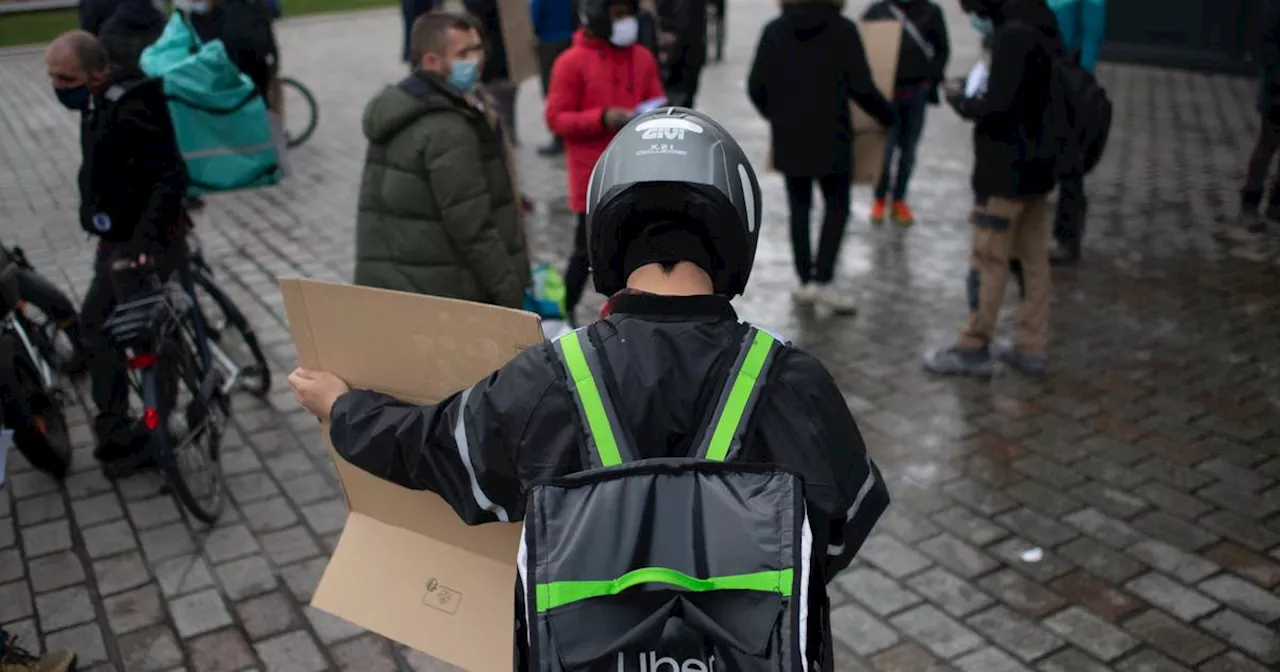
(1077, 116)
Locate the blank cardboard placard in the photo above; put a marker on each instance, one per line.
(880, 41)
(406, 566)
(518, 39)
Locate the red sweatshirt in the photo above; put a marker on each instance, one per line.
(588, 78)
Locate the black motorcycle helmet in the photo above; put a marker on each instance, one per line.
(676, 178)
(594, 15)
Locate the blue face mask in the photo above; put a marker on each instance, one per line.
(76, 100)
(981, 24)
(463, 75)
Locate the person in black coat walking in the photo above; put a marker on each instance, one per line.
(922, 64)
(808, 65)
(1264, 149)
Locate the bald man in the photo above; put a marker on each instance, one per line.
(132, 179)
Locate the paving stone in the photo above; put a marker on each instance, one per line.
(1258, 641)
(1232, 661)
(1090, 633)
(329, 628)
(64, 608)
(1163, 592)
(154, 512)
(1147, 660)
(1172, 475)
(240, 461)
(990, 659)
(892, 556)
(41, 509)
(1186, 567)
(1049, 502)
(58, 570)
(875, 591)
(969, 526)
(1244, 597)
(268, 615)
(1235, 476)
(198, 613)
(1036, 527)
(326, 517)
(1171, 637)
(1100, 560)
(26, 634)
(1173, 501)
(955, 595)
(229, 543)
(1246, 563)
(86, 640)
(1024, 596)
(95, 510)
(8, 534)
(936, 631)
(1047, 568)
(860, 631)
(270, 514)
(1015, 634)
(1108, 530)
(134, 610)
(1109, 472)
(30, 484)
(907, 527)
(303, 577)
(183, 574)
(87, 483)
(294, 652)
(221, 651)
(1174, 531)
(978, 497)
(1240, 530)
(1239, 501)
(906, 657)
(364, 654)
(1097, 595)
(1071, 660)
(120, 572)
(166, 542)
(109, 539)
(246, 577)
(958, 556)
(309, 489)
(46, 538)
(421, 662)
(251, 487)
(15, 601)
(150, 650)
(289, 545)
(11, 565)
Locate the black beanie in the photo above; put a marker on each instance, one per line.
(665, 242)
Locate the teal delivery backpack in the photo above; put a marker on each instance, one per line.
(220, 120)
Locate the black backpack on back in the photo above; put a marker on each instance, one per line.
(1077, 116)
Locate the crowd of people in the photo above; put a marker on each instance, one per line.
(666, 231)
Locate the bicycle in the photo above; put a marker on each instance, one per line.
(32, 399)
(184, 376)
(298, 129)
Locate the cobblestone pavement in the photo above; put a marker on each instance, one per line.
(1145, 469)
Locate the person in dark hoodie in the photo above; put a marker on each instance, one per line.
(124, 27)
(244, 26)
(682, 37)
(808, 65)
(437, 210)
(922, 64)
(1013, 174)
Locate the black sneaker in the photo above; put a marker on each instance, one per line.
(553, 148)
(1247, 227)
(955, 361)
(1028, 365)
(1063, 255)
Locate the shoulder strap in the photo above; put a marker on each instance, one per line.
(609, 442)
(721, 438)
(913, 31)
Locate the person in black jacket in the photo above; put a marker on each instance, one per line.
(1013, 174)
(131, 180)
(125, 27)
(682, 38)
(672, 237)
(922, 64)
(496, 76)
(1251, 222)
(808, 65)
(244, 26)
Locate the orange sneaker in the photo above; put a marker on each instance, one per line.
(877, 211)
(902, 215)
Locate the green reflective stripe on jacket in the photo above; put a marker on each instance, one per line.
(743, 385)
(592, 404)
(559, 593)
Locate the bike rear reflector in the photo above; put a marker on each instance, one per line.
(151, 417)
(143, 361)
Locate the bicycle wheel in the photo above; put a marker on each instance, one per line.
(229, 329)
(34, 413)
(302, 115)
(189, 442)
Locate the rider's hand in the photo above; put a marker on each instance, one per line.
(317, 390)
(616, 117)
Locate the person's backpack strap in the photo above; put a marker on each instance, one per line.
(608, 442)
(721, 437)
(913, 32)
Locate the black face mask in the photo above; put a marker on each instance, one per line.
(76, 99)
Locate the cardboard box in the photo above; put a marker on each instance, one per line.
(406, 566)
(880, 41)
(519, 39)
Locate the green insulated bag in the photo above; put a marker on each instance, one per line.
(666, 565)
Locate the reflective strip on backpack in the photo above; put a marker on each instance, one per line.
(724, 433)
(595, 405)
(559, 593)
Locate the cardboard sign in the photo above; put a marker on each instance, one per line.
(880, 41)
(406, 566)
(519, 39)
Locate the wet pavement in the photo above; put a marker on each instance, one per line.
(1123, 514)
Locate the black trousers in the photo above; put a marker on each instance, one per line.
(548, 52)
(681, 82)
(578, 269)
(109, 386)
(1264, 150)
(835, 194)
(1073, 208)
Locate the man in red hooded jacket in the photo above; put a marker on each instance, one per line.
(596, 86)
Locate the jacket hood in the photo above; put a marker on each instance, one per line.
(398, 106)
(807, 19)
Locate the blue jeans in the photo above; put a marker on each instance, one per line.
(903, 140)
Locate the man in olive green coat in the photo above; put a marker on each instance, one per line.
(438, 213)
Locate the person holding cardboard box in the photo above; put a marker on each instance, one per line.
(685, 479)
(1012, 177)
(438, 213)
(596, 86)
(808, 65)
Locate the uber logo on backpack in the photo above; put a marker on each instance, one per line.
(652, 663)
(102, 222)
